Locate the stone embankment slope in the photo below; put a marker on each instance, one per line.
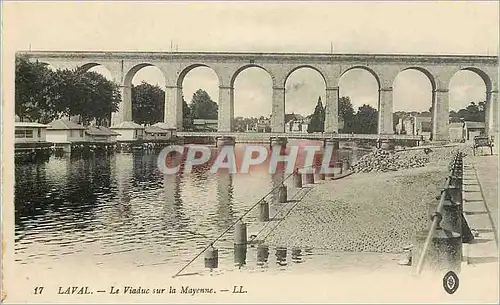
(385, 161)
(375, 211)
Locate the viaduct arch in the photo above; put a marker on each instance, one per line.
(384, 67)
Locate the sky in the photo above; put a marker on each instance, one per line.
(427, 27)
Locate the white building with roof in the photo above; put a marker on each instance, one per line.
(100, 134)
(205, 124)
(165, 126)
(128, 131)
(65, 132)
(30, 132)
(473, 129)
(156, 133)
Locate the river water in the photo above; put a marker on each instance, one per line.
(121, 211)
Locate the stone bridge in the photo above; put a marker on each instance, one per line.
(384, 67)
(264, 137)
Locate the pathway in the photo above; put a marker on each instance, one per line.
(481, 211)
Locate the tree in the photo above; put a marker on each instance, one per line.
(34, 99)
(148, 103)
(366, 120)
(395, 122)
(98, 96)
(317, 122)
(346, 112)
(454, 117)
(475, 113)
(44, 95)
(202, 106)
(241, 123)
(187, 118)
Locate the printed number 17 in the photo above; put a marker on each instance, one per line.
(38, 290)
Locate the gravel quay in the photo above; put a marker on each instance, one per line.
(385, 161)
(375, 211)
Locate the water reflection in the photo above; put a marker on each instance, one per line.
(173, 215)
(225, 214)
(277, 179)
(124, 168)
(240, 255)
(122, 209)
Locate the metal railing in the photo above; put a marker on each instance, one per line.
(298, 135)
(438, 215)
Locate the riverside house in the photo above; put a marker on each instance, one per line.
(30, 133)
(473, 129)
(64, 133)
(100, 134)
(205, 125)
(30, 142)
(155, 133)
(456, 132)
(165, 126)
(128, 131)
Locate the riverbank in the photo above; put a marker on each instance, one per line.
(370, 216)
(369, 212)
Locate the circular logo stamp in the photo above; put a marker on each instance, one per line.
(450, 282)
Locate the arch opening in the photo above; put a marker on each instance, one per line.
(305, 97)
(97, 68)
(200, 95)
(252, 99)
(469, 108)
(147, 85)
(359, 101)
(412, 102)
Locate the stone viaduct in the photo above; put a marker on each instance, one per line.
(384, 67)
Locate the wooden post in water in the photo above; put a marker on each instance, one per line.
(309, 178)
(297, 179)
(345, 165)
(281, 256)
(212, 258)
(333, 144)
(262, 254)
(282, 194)
(264, 211)
(240, 233)
(240, 255)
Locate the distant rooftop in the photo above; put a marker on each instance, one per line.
(205, 121)
(470, 124)
(162, 125)
(30, 124)
(127, 125)
(155, 129)
(100, 131)
(426, 126)
(293, 116)
(455, 125)
(64, 125)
